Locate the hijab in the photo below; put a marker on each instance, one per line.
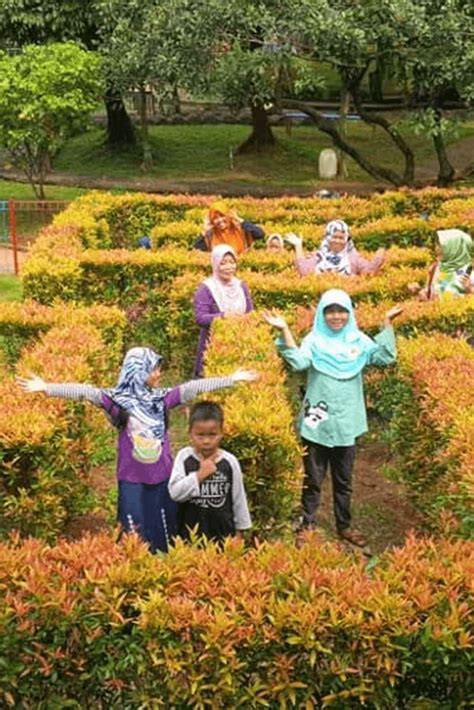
(134, 396)
(456, 249)
(232, 234)
(229, 296)
(337, 262)
(340, 354)
(275, 237)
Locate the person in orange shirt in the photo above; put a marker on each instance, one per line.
(222, 226)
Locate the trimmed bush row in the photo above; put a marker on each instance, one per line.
(106, 220)
(62, 269)
(284, 291)
(94, 624)
(21, 321)
(430, 427)
(446, 316)
(259, 420)
(48, 446)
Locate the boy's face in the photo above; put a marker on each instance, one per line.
(206, 436)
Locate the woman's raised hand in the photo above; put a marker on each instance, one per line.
(245, 376)
(32, 384)
(274, 319)
(392, 314)
(293, 239)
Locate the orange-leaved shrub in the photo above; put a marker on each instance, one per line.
(48, 446)
(98, 624)
(19, 322)
(432, 427)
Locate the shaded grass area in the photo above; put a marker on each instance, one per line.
(202, 153)
(10, 289)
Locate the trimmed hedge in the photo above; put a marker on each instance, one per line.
(93, 624)
(432, 428)
(48, 446)
(259, 420)
(284, 291)
(446, 316)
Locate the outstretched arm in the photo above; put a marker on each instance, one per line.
(360, 265)
(70, 390)
(189, 390)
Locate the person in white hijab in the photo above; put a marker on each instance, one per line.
(219, 296)
(275, 243)
(337, 254)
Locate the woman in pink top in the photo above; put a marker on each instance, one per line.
(337, 254)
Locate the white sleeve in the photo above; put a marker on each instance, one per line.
(182, 487)
(242, 520)
(75, 391)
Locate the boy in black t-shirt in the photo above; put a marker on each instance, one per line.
(207, 481)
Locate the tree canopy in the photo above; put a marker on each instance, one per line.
(47, 93)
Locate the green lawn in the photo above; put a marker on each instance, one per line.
(200, 153)
(10, 288)
(198, 156)
(10, 190)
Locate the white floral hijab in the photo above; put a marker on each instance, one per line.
(337, 262)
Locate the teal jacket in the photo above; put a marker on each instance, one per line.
(333, 412)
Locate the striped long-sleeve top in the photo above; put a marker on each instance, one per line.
(141, 458)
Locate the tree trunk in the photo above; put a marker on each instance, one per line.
(176, 101)
(147, 162)
(374, 119)
(446, 171)
(261, 136)
(120, 130)
(342, 171)
(376, 83)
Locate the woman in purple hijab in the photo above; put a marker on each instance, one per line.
(220, 296)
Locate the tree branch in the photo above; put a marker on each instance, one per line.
(328, 127)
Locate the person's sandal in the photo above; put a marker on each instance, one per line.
(355, 537)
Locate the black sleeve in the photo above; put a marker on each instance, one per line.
(200, 244)
(253, 230)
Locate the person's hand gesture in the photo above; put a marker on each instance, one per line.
(207, 468)
(32, 384)
(293, 239)
(274, 319)
(392, 314)
(245, 376)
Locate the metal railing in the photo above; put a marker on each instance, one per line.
(20, 223)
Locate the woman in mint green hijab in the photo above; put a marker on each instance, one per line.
(452, 273)
(333, 415)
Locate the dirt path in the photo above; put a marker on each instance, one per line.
(381, 508)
